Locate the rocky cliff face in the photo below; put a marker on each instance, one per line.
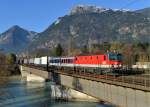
(81, 9)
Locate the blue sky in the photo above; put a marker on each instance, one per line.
(37, 15)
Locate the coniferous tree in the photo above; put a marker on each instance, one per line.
(11, 58)
(58, 50)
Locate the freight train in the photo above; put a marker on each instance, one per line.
(90, 63)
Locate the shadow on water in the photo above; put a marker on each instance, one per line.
(18, 93)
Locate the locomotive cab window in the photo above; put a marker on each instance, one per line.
(113, 56)
(119, 57)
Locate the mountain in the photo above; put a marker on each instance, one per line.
(145, 11)
(15, 39)
(88, 25)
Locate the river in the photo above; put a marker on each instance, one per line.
(15, 92)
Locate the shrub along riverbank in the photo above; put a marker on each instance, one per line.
(8, 66)
(9, 70)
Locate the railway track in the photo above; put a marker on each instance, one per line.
(142, 80)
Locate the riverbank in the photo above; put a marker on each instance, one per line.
(5, 79)
(9, 70)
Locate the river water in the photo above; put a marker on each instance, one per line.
(15, 92)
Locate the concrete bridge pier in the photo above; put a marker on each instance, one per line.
(34, 78)
(68, 94)
(29, 76)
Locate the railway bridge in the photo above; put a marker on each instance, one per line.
(123, 91)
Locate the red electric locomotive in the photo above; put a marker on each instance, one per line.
(102, 61)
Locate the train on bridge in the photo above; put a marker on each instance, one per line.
(101, 63)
